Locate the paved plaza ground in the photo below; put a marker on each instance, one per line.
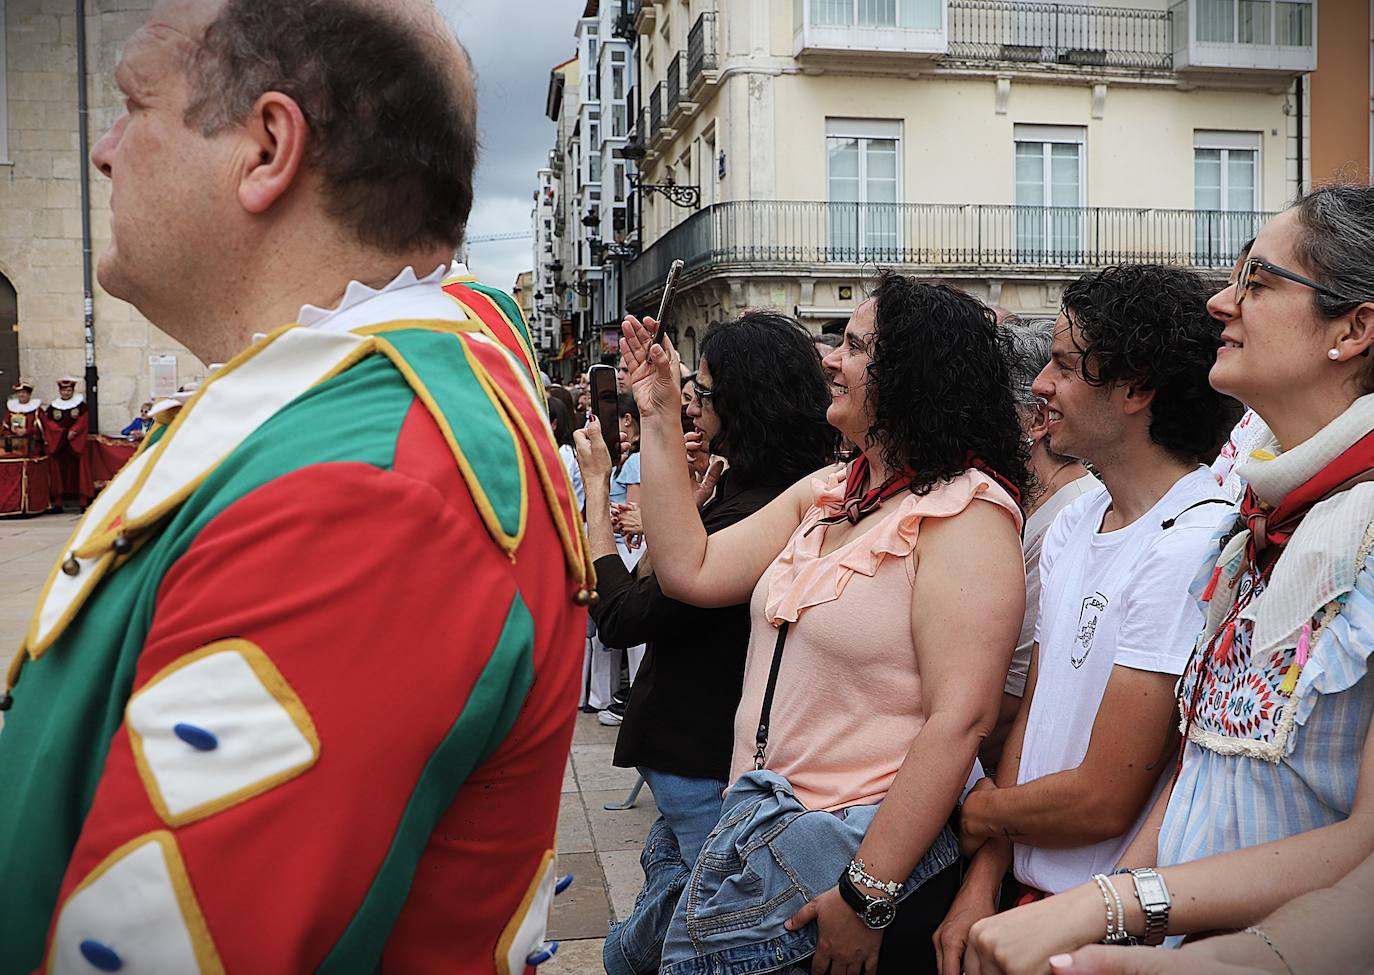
(599, 847)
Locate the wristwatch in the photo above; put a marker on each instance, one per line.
(876, 912)
(1154, 899)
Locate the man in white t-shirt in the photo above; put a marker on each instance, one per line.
(1126, 390)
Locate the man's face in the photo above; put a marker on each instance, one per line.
(66, 390)
(170, 183)
(622, 376)
(23, 395)
(1080, 417)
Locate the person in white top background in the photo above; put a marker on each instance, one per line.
(1126, 390)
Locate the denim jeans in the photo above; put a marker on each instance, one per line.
(691, 807)
(767, 857)
(689, 810)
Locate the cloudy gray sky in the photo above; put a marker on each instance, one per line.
(513, 44)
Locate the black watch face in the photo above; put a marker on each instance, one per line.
(879, 913)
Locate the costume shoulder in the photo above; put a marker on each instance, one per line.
(499, 317)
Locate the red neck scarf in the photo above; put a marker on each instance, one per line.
(1271, 528)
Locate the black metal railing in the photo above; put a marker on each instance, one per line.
(701, 48)
(674, 80)
(624, 24)
(1060, 33)
(656, 109)
(942, 236)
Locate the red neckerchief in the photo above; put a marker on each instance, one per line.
(858, 503)
(1270, 530)
(973, 460)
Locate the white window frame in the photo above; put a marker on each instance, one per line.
(1052, 135)
(1232, 232)
(865, 130)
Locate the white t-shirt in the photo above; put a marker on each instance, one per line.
(1108, 599)
(1037, 524)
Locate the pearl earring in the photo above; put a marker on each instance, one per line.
(1333, 354)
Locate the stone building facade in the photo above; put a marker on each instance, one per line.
(43, 334)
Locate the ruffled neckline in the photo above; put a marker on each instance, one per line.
(801, 577)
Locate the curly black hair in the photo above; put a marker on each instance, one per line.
(771, 395)
(1148, 325)
(943, 386)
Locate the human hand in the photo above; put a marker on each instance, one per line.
(1116, 960)
(969, 844)
(593, 459)
(626, 519)
(698, 454)
(703, 491)
(951, 937)
(1021, 941)
(653, 368)
(844, 944)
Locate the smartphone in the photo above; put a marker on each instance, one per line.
(665, 306)
(606, 407)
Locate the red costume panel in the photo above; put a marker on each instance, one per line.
(66, 432)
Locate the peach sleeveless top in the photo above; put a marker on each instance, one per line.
(848, 700)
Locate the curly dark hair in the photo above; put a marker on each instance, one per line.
(942, 384)
(1148, 325)
(771, 395)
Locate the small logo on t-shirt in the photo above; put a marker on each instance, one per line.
(1088, 616)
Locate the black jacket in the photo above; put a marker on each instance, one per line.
(681, 713)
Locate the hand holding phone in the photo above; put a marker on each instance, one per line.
(605, 404)
(665, 306)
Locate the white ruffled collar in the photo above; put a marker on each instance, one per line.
(406, 296)
(69, 404)
(14, 406)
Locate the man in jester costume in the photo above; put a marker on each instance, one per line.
(299, 693)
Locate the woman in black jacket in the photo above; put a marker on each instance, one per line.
(759, 404)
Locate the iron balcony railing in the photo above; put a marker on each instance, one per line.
(701, 48)
(1060, 33)
(656, 109)
(674, 80)
(946, 237)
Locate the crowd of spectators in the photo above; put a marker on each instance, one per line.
(973, 641)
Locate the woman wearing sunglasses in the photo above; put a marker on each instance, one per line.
(1274, 791)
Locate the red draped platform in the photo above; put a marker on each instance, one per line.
(24, 488)
(107, 455)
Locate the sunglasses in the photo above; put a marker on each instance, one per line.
(1253, 264)
(702, 394)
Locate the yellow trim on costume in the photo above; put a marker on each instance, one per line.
(427, 325)
(280, 690)
(512, 928)
(202, 943)
(519, 332)
(573, 537)
(509, 543)
(101, 540)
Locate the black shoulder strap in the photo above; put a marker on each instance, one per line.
(761, 739)
(1168, 523)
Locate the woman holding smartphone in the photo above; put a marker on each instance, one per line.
(886, 598)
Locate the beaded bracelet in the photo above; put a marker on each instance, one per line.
(1116, 919)
(859, 875)
(1272, 947)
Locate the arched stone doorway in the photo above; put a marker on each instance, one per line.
(9, 335)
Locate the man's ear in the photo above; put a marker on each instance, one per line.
(1137, 399)
(276, 134)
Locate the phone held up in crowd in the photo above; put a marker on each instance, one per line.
(605, 406)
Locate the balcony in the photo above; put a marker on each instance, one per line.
(701, 53)
(943, 239)
(848, 28)
(623, 27)
(656, 111)
(646, 16)
(676, 81)
(1061, 34)
(1245, 35)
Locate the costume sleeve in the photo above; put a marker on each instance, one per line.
(318, 683)
(79, 432)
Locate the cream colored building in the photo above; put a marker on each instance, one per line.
(42, 316)
(1001, 146)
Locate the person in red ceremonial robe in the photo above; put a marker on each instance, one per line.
(66, 427)
(21, 428)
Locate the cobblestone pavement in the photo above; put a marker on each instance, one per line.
(599, 847)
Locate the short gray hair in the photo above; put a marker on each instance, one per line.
(1029, 348)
